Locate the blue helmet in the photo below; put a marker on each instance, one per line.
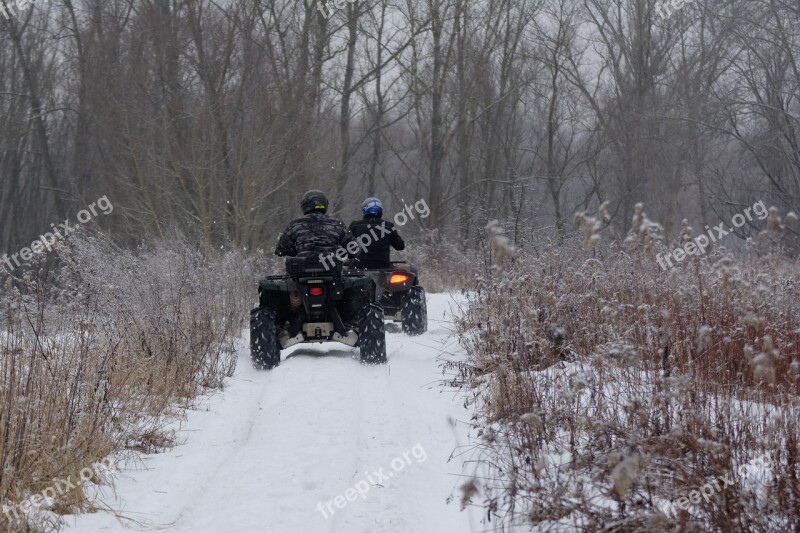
(372, 207)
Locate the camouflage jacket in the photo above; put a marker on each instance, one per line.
(313, 234)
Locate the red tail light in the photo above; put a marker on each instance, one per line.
(397, 279)
(316, 291)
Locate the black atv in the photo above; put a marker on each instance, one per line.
(313, 304)
(401, 296)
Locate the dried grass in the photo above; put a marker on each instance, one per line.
(101, 347)
(606, 388)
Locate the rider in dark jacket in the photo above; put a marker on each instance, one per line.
(382, 237)
(315, 232)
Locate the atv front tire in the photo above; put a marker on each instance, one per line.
(414, 312)
(265, 352)
(371, 335)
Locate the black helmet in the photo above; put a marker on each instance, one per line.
(314, 201)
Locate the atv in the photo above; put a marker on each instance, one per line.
(401, 296)
(314, 303)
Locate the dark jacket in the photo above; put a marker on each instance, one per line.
(313, 234)
(383, 236)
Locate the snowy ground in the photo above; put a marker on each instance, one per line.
(264, 453)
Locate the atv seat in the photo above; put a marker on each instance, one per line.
(311, 266)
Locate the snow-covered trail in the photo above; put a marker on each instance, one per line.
(263, 454)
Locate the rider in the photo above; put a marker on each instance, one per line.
(382, 237)
(315, 231)
(312, 234)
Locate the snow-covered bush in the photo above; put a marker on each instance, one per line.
(608, 391)
(99, 345)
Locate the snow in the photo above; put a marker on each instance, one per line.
(272, 448)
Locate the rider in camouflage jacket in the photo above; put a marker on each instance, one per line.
(315, 232)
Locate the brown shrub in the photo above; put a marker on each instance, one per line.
(99, 346)
(610, 388)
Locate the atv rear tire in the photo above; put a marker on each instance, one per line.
(414, 312)
(371, 335)
(265, 352)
